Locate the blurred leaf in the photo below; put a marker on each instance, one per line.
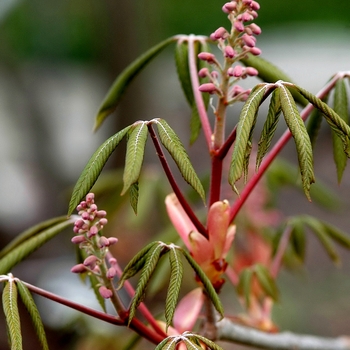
(211, 345)
(30, 305)
(337, 235)
(9, 304)
(266, 281)
(177, 151)
(314, 125)
(21, 251)
(301, 137)
(116, 91)
(94, 167)
(298, 239)
(134, 155)
(244, 287)
(340, 107)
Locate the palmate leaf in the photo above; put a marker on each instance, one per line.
(22, 250)
(94, 167)
(244, 129)
(176, 272)
(30, 305)
(167, 344)
(153, 256)
(206, 283)
(9, 304)
(341, 108)
(337, 124)
(134, 154)
(111, 101)
(301, 137)
(269, 128)
(177, 151)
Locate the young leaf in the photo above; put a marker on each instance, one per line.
(134, 155)
(94, 167)
(245, 285)
(333, 119)
(174, 146)
(206, 282)
(301, 137)
(208, 343)
(22, 250)
(269, 128)
(337, 235)
(314, 125)
(134, 196)
(266, 281)
(32, 231)
(298, 238)
(151, 262)
(167, 344)
(9, 303)
(244, 129)
(114, 94)
(191, 345)
(176, 272)
(340, 107)
(30, 305)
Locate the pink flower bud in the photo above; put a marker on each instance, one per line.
(112, 261)
(102, 222)
(238, 26)
(85, 215)
(204, 72)
(254, 14)
(103, 242)
(111, 273)
(93, 231)
(255, 6)
(90, 261)
(78, 239)
(255, 51)
(230, 72)
(79, 223)
(251, 71)
(230, 52)
(229, 7)
(221, 33)
(247, 2)
(255, 28)
(237, 71)
(236, 90)
(112, 240)
(105, 292)
(80, 268)
(93, 207)
(246, 17)
(214, 74)
(208, 87)
(206, 56)
(101, 214)
(90, 198)
(81, 206)
(248, 40)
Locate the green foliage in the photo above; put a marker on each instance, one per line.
(112, 99)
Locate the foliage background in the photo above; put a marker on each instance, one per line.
(57, 60)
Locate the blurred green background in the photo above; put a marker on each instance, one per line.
(57, 60)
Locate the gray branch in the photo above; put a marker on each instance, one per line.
(230, 331)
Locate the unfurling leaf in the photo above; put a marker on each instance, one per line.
(341, 108)
(94, 167)
(301, 137)
(9, 304)
(176, 272)
(244, 131)
(269, 128)
(134, 154)
(114, 94)
(30, 305)
(177, 151)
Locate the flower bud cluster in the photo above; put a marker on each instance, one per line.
(87, 229)
(234, 45)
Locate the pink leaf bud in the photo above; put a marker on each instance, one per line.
(251, 71)
(229, 7)
(248, 40)
(255, 6)
(255, 51)
(78, 239)
(237, 71)
(101, 214)
(206, 56)
(90, 261)
(238, 26)
(112, 240)
(103, 242)
(93, 231)
(80, 268)
(230, 52)
(105, 292)
(204, 72)
(221, 33)
(111, 273)
(208, 87)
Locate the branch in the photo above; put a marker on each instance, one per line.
(229, 331)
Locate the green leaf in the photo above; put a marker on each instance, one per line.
(30, 305)
(191, 345)
(22, 250)
(9, 303)
(269, 73)
(135, 264)
(94, 167)
(314, 126)
(167, 344)
(301, 137)
(245, 284)
(244, 130)
(333, 119)
(340, 107)
(30, 232)
(208, 343)
(116, 91)
(176, 272)
(206, 282)
(266, 281)
(337, 235)
(134, 196)
(176, 149)
(269, 128)
(151, 262)
(134, 154)
(298, 238)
